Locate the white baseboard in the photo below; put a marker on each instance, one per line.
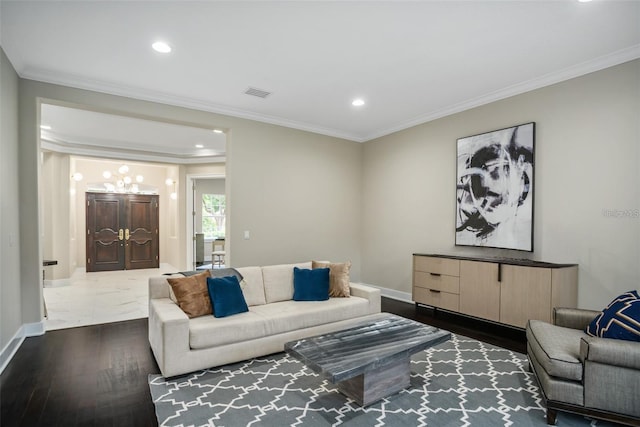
(56, 283)
(33, 329)
(10, 350)
(392, 293)
(26, 330)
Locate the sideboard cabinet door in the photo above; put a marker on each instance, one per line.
(526, 294)
(480, 290)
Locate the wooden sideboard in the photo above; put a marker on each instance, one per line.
(506, 290)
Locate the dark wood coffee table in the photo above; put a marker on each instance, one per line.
(369, 361)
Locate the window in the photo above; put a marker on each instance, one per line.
(213, 215)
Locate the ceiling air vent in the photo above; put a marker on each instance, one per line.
(257, 92)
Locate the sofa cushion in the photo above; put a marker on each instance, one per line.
(226, 296)
(278, 281)
(252, 285)
(338, 277)
(310, 285)
(209, 331)
(557, 349)
(285, 316)
(619, 320)
(191, 294)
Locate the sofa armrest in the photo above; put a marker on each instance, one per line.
(574, 318)
(370, 293)
(159, 286)
(364, 291)
(609, 351)
(168, 333)
(168, 312)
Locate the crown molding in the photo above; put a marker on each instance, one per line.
(125, 154)
(616, 58)
(80, 82)
(72, 141)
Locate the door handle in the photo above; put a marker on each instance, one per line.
(126, 234)
(120, 236)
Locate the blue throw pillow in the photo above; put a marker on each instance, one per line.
(620, 319)
(310, 285)
(226, 296)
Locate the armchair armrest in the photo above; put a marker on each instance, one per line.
(574, 318)
(609, 351)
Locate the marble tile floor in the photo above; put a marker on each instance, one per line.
(100, 297)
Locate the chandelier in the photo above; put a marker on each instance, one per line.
(122, 181)
(119, 181)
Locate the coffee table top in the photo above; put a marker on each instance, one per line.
(373, 344)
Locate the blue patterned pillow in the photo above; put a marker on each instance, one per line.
(620, 319)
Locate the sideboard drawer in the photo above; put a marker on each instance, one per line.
(437, 282)
(445, 266)
(438, 299)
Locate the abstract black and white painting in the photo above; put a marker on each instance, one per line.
(494, 189)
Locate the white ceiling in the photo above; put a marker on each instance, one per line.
(92, 133)
(410, 61)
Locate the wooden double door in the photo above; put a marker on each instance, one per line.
(122, 231)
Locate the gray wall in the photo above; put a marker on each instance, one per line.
(10, 307)
(587, 157)
(58, 216)
(298, 193)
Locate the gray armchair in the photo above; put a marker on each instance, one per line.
(597, 377)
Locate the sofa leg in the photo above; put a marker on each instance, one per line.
(552, 414)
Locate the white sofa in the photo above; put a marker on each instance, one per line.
(183, 345)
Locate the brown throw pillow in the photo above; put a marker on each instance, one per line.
(338, 277)
(192, 294)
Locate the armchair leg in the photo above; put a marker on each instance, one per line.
(552, 414)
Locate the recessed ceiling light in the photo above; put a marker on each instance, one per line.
(357, 102)
(161, 47)
(199, 146)
(584, 1)
(45, 127)
(217, 131)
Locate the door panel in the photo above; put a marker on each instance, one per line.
(142, 222)
(122, 231)
(525, 294)
(480, 289)
(105, 249)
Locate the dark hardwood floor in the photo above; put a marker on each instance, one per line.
(88, 376)
(97, 375)
(503, 336)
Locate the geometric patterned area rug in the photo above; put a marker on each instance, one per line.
(462, 382)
